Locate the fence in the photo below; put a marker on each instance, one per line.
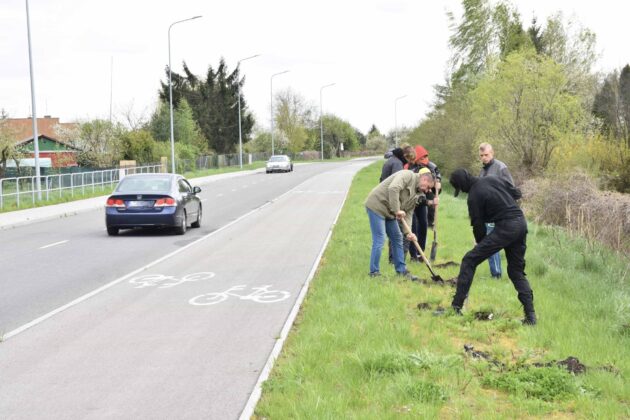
(16, 191)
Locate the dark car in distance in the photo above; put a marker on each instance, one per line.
(153, 200)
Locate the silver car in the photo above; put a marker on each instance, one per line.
(279, 163)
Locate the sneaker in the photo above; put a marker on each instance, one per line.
(375, 274)
(407, 275)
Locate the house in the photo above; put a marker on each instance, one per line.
(61, 154)
(49, 131)
(22, 128)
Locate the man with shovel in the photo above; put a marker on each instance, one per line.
(394, 199)
(493, 200)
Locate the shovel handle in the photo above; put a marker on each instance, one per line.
(407, 231)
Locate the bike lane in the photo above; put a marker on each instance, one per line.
(186, 338)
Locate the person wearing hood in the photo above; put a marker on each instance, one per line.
(493, 200)
(390, 201)
(421, 213)
(393, 164)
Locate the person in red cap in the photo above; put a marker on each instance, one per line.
(421, 213)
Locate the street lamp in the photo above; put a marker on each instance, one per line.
(321, 119)
(240, 135)
(396, 119)
(272, 76)
(34, 116)
(170, 90)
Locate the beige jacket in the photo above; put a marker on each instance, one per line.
(397, 192)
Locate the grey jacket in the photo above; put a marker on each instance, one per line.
(397, 192)
(391, 166)
(497, 168)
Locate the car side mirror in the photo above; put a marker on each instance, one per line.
(196, 190)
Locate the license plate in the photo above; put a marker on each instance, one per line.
(140, 203)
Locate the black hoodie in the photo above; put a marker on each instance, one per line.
(490, 199)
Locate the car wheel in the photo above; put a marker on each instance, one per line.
(198, 222)
(181, 229)
(112, 231)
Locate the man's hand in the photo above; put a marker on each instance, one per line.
(411, 237)
(400, 214)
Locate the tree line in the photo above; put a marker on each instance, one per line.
(532, 93)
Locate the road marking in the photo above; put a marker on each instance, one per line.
(248, 411)
(262, 294)
(219, 195)
(55, 244)
(165, 282)
(234, 190)
(139, 270)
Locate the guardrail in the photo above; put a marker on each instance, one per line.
(20, 189)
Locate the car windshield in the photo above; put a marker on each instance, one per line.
(132, 185)
(278, 159)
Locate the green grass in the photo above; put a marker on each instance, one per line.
(361, 349)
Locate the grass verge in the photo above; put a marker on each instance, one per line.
(361, 348)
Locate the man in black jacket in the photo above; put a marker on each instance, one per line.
(493, 200)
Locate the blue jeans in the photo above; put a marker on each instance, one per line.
(495, 259)
(381, 226)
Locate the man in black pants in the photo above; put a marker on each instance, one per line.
(493, 200)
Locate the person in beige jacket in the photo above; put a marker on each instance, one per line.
(393, 199)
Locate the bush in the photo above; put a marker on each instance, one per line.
(573, 201)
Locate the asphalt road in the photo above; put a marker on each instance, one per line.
(185, 337)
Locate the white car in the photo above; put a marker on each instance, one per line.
(279, 163)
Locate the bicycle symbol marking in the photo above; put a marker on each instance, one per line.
(162, 281)
(261, 294)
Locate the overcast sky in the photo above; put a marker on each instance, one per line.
(374, 50)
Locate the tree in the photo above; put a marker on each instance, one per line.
(138, 145)
(293, 117)
(573, 47)
(99, 141)
(214, 102)
(185, 127)
(7, 143)
(337, 132)
(526, 107)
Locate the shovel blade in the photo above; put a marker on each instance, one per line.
(437, 279)
(434, 246)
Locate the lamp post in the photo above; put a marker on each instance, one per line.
(321, 119)
(34, 116)
(170, 90)
(396, 119)
(240, 135)
(272, 76)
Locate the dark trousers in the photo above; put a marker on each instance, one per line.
(510, 235)
(419, 228)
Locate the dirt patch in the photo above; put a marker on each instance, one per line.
(424, 306)
(451, 282)
(484, 315)
(446, 265)
(469, 349)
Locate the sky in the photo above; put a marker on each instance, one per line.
(375, 51)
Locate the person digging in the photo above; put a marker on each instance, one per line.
(493, 200)
(394, 199)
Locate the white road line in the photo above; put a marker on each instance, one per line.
(234, 190)
(133, 273)
(55, 244)
(219, 195)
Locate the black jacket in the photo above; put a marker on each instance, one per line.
(394, 164)
(490, 199)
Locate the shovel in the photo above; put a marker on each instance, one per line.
(436, 278)
(434, 244)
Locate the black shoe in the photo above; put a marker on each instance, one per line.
(497, 277)
(375, 274)
(530, 319)
(407, 275)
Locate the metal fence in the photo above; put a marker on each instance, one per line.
(20, 190)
